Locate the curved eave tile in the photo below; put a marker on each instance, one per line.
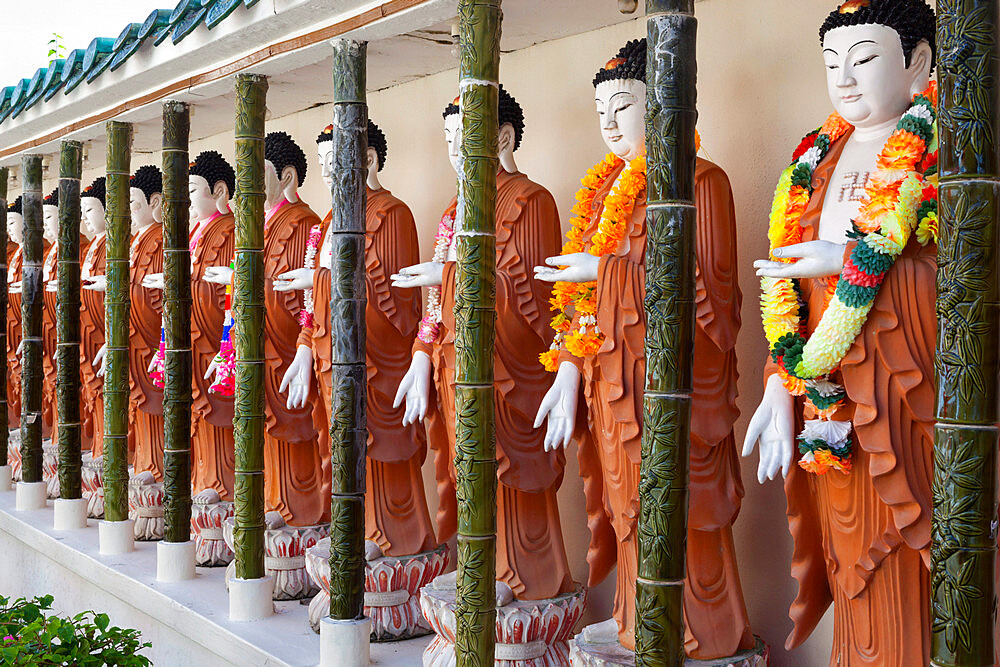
(37, 87)
(249, 3)
(53, 79)
(5, 102)
(127, 35)
(188, 24)
(125, 46)
(19, 97)
(219, 11)
(156, 20)
(98, 57)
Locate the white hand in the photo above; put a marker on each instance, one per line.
(415, 388)
(51, 285)
(427, 274)
(220, 275)
(816, 259)
(212, 367)
(559, 407)
(152, 364)
(581, 267)
(297, 378)
(20, 349)
(153, 281)
(14, 288)
(296, 279)
(99, 360)
(96, 283)
(774, 426)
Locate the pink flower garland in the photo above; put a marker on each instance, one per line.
(308, 307)
(442, 243)
(225, 374)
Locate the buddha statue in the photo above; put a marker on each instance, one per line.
(15, 260)
(858, 483)
(145, 311)
(531, 562)
(211, 182)
(599, 351)
(50, 235)
(293, 484)
(397, 520)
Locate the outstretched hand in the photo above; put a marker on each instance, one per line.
(297, 379)
(96, 283)
(219, 275)
(294, 280)
(579, 267)
(428, 274)
(814, 259)
(153, 281)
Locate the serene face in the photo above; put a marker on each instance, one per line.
(325, 153)
(14, 227)
(621, 108)
(453, 135)
(272, 184)
(50, 222)
(202, 201)
(92, 212)
(866, 74)
(142, 214)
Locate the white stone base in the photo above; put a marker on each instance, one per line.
(186, 622)
(174, 561)
(116, 537)
(145, 507)
(70, 514)
(530, 633)
(587, 651)
(345, 643)
(250, 599)
(6, 478)
(93, 485)
(31, 496)
(211, 549)
(284, 558)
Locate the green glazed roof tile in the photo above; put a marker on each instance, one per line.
(37, 87)
(187, 25)
(98, 57)
(5, 102)
(126, 44)
(154, 22)
(127, 35)
(53, 79)
(218, 12)
(74, 61)
(20, 92)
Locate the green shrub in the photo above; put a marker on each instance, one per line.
(29, 637)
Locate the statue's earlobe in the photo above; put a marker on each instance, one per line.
(221, 192)
(920, 67)
(372, 158)
(289, 178)
(156, 201)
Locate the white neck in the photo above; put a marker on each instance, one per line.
(873, 132)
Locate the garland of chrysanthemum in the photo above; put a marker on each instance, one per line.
(586, 339)
(442, 243)
(225, 360)
(900, 199)
(309, 262)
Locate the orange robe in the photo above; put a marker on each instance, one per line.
(531, 557)
(145, 311)
(292, 468)
(862, 540)
(15, 261)
(396, 514)
(211, 415)
(614, 382)
(91, 341)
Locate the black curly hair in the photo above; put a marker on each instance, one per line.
(628, 63)
(148, 179)
(508, 111)
(211, 166)
(282, 151)
(376, 140)
(52, 199)
(913, 21)
(16, 206)
(96, 190)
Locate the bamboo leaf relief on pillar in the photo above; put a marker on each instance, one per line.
(475, 447)
(4, 426)
(116, 321)
(967, 361)
(68, 323)
(176, 324)
(31, 321)
(248, 331)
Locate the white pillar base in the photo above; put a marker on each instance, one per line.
(345, 643)
(6, 478)
(70, 514)
(116, 537)
(174, 561)
(30, 496)
(250, 599)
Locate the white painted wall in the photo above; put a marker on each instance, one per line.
(761, 88)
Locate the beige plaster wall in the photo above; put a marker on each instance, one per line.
(761, 87)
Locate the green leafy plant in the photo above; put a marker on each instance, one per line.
(56, 47)
(29, 637)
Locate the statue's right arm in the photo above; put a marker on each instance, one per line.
(773, 426)
(559, 407)
(415, 389)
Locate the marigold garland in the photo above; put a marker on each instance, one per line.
(900, 200)
(580, 299)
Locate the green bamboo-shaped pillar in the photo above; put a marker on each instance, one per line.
(116, 321)
(248, 332)
(348, 301)
(4, 434)
(964, 536)
(475, 316)
(176, 324)
(670, 326)
(68, 323)
(31, 322)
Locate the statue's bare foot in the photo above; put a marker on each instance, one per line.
(504, 594)
(206, 497)
(372, 551)
(605, 632)
(446, 581)
(144, 479)
(274, 520)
